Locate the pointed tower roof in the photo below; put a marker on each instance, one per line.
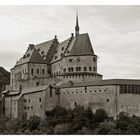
(77, 25)
(82, 45)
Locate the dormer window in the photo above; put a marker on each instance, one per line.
(62, 54)
(28, 55)
(55, 57)
(24, 56)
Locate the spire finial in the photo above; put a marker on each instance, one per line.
(77, 25)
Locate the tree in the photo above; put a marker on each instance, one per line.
(33, 123)
(58, 115)
(61, 129)
(100, 115)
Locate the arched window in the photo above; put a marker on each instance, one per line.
(94, 68)
(90, 68)
(71, 68)
(85, 69)
(79, 68)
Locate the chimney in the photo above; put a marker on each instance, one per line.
(71, 35)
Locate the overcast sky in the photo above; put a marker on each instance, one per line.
(114, 32)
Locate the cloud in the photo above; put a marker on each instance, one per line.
(7, 59)
(114, 32)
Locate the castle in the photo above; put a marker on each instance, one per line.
(65, 73)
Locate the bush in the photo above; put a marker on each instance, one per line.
(100, 115)
(61, 129)
(33, 123)
(58, 115)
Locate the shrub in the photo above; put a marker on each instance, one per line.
(100, 115)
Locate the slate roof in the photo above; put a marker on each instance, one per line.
(82, 45)
(31, 56)
(60, 49)
(103, 83)
(44, 47)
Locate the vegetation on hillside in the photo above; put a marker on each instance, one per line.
(79, 121)
(4, 77)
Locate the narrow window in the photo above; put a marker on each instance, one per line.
(37, 84)
(43, 71)
(69, 69)
(85, 69)
(55, 57)
(37, 71)
(32, 71)
(39, 99)
(75, 104)
(94, 68)
(90, 68)
(79, 68)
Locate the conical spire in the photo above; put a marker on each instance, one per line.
(77, 25)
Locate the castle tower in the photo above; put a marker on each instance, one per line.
(77, 26)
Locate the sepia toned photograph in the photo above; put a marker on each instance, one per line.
(70, 70)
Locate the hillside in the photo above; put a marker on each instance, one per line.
(4, 77)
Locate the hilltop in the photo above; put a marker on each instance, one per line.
(4, 77)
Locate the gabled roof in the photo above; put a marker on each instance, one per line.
(44, 47)
(36, 57)
(82, 45)
(32, 56)
(60, 50)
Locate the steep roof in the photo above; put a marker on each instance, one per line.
(32, 56)
(82, 45)
(60, 50)
(44, 47)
